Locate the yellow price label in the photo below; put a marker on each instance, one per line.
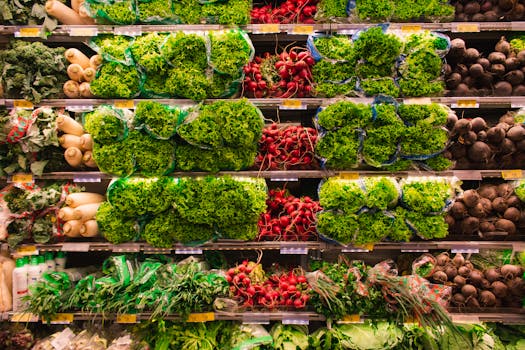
(22, 178)
(60, 319)
(349, 175)
(82, 31)
(354, 318)
(127, 318)
(23, 104)
(369, 247)
(27, 250)
(418, 101)
(303, 29)
(467, 104)
(24, 317)
(467, 27)
(512, 174)
(292, 104)
(411, 28)
(29, 32)
(269, 28)
(201, 317)
(124, 104)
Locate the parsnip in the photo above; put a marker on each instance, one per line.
(69, 125)
(69, 140)
(86, 212)
(78, 198)
(89, 229)
(76, 56)
(68, 213)
(73, 156)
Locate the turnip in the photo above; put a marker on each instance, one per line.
(492, 274)
(451, 272)
(497, 58)
(512, 214)
(488, 191)
(470, 225)
(497, 69)
(499, 204)
(499, 289)
(495, 135)
(479, 152)
(516, 133)
(442, 259)
(469, 290)
(503, 46)
(478, 124)
(470, 198)
(505, 190)
(459, 299)
(486, 298)
(502, 88)
(516, 287)
(486, 226)
(514, 77)
(459, 281)
(511, 271)
(476, 70)
(477, 211)
(440, 277)
(457, 48)
(504, 225)
(482, 135)
(513, 201)
(475, 277)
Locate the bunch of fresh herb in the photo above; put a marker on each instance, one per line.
(32, 71)
(112, 11)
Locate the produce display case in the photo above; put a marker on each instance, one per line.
(300, 181)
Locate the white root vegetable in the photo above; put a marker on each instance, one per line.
(69, 140)
(89, 74)
(84, 14)
(86, 142)
(72, 228)
(88, 160)
(95, 61)
(71, 89)
(69, 125)
(73, 156)
(75, 72)
(89, 229)
(75, 4)
(63, 13)
(78, 198)
(86, 212)
(68, 213)
(76, 56)
(85, 90)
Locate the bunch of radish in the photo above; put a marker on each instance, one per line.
(288, 218)
(472, 287)
(75, 15)
(81, 71)
(489, 10)
(283, 289)
(476, 145)
(286, 147)
(78, 144)
(501, 73)
(289, 11)
(78, 214)
(288, 74)
(490, 211)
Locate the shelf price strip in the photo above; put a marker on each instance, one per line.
(267, 28)
(126, 318)
(466, 28)
(22, 178)
(513, 174)
(292, 104)
(465, 104)
(27, 250)
(83, 31)
(79, 247)
(60, 319)
(28, 32)
(24, 317)
(201, 317)
(301, 30)
(23, 104)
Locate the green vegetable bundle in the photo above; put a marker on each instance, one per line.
(158, 120)
(402, 11)
(112, 11)
(28, 12)
(32, 71)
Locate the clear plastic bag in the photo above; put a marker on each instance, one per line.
(112, 11)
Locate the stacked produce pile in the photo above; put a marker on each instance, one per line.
(500, 73)
(130, 286)
(78, 143)
(489, 10)
(478, 145)
(81, 71)
(251, 287)
(31, 213)
(383, 135)
(91, 339)
(31, 12)
(376, 61)
(181, 209)
(477, 285)
(219, 136)
(491, 211)
(286, 147)
(288, 218)
(168, 11)
(153, 65)
(32, 71)
(78, 214)
(284, 75)
(371, 209)
(401, 11)
(29, 141)
(287, 11)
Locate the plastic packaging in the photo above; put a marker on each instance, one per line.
(33, 271)
(20, 287)
(60, 261)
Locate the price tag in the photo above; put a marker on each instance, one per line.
(354, 250)
(201, 317)
(188, 251)
(302, 30)
(24, 317)
(466, 28)
(288, 104)
(157, 251)
(83, 31)
(27, 250)
(87, 178)
(80, 247)
(293, 250)
(464, 250)
(22, 178)
(255, 318)
(369, 247)
(513, 174)
(414, 250)
(60, 319)
(23, 104)
(410, 28)
(349, 175)
(284, 179)
(28, 32)
(354, 318)
(126, 318)
(464, 318)
(79, 109)
(126, 248)
(418, 101)
(124, 104)
(128, 30)
(296, 319)
(465, 104)
(267, 28)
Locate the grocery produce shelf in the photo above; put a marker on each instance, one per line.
(82, 105)
(290, 29)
